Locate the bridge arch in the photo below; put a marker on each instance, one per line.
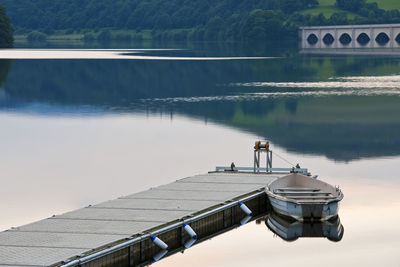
(345, 39)
(312, 39)
(397, 39)
(363, 39)
(382, 39)
(328, 39)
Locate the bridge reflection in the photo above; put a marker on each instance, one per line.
(352, 51)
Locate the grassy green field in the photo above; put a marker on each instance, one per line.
(386, 4)
(327, 7)
(327, 11)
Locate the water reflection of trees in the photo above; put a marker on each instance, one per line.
(117, 83)
(5, 67)
(342, 128)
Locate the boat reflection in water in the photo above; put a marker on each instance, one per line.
(290, 230)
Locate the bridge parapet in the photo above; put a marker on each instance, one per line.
(351, 36)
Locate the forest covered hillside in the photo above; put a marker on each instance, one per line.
(211, 20)
(330, 7)
(6, 30)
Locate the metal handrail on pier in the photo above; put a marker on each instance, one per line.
(258, 148)
(269, 170)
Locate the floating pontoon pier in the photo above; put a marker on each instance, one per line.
(141, 228)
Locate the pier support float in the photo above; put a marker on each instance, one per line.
(245, 220)
(246, 210)
(160, 255)
(190, 231)
(189, 243)
(161, 244)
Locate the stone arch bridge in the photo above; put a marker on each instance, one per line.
(351, 36)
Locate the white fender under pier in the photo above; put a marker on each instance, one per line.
(189, 243)
(245, 209)
(159, 243)
(160, 255)
(190, 231)
(245, 220)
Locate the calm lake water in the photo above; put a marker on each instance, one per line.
(83, 126)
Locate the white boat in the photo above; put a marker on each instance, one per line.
(304, 198)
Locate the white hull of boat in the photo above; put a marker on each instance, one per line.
(304, 198)
(300, 211)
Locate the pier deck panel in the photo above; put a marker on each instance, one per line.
(33, 256)
(55, 240)
(157, 204)
(124, 215)
(183, 195)
(55, 225)
(61, 237)
(197, 188)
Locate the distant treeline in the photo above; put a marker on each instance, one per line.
(173, 19)
(367, 13)
(6, 30)
(211, 20)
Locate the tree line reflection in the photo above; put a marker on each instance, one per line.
(343, 128)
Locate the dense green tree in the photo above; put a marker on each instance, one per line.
(234, 20)
(368, 13)
(89, 37)
(48, 15)
(5, 67)
(6, 29)
(104, 36)
(163, 22)
(339, 18)
(351, 5)
(263, 25)
(213, 28)
(36, 36)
